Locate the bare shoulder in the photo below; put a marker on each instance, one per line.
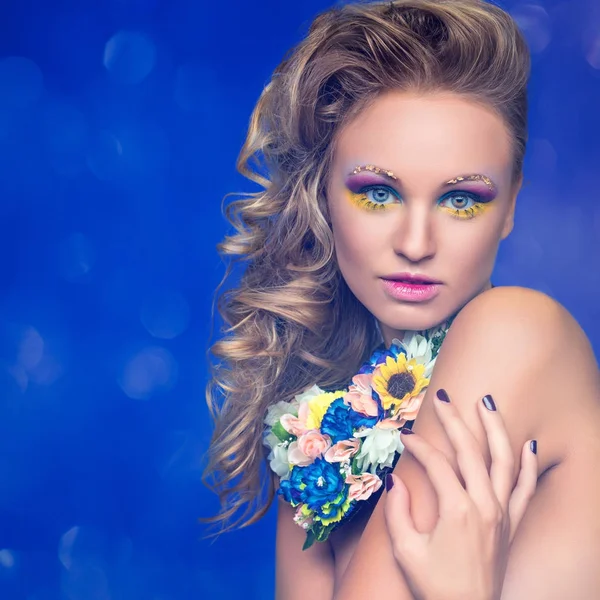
(527, 351)
(505, 315)
(523, 332)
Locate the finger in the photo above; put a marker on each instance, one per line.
(400, 525)
(526, 485)
(448, 488)
(503, 461)
(469, 457)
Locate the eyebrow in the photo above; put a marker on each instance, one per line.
(455, 180)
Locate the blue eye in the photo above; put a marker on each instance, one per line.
(459, 201)
(380, 194)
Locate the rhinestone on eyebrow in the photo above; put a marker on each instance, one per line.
(483, 178)
(374, 169)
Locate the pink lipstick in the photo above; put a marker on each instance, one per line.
(411, 287)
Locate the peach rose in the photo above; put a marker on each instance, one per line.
(359, 395)
(342, 451)
(409, 410)
(313, 444)
(297, 457)
(293, 424)
(362, 486)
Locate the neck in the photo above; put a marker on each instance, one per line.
(389, 333)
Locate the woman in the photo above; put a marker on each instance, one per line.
(392, 139)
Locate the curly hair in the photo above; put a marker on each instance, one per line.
(292, 321)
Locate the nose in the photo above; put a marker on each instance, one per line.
(414, 238)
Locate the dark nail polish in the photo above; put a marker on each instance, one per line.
(488, 402)
(406, 431)
(443, 395)
(389, 482)
(533, 446)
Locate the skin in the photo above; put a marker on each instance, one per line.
(427, 142)
(531, 356)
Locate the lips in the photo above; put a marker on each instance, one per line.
(410, 278)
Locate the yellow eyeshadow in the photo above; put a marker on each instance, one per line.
(363, 202)
(467, 213)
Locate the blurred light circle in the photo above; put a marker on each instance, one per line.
(104, 156)
(592, 50)
(7, 559)
(21, 82)
(47, 371)
(65, 547)
(534, 22)
(194, 87)
(151, 370)
(129, 56)
(76, 257)
(31, 349)
(165, 315)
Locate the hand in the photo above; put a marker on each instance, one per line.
(466, 554)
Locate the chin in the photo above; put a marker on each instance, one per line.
(416, 317)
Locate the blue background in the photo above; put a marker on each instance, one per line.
(120, 124)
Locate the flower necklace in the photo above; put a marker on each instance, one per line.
(332, 450)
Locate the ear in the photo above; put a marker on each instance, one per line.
(509, 221)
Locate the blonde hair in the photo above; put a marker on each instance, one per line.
(292, 321)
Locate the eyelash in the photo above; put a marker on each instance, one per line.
(478, 206)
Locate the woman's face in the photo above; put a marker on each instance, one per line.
(414, 241)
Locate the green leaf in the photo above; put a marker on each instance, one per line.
(311, 538)
(281, 434)
(324, 532)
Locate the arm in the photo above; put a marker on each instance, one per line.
(526, 351)
(300, 574)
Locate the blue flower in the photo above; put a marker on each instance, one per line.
(315, 485)
(337, 422)
(359, 420)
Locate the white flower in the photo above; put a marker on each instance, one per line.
(419, 348)
(270, 440)
(311, 392)
(278, 460)
(379, 448)
(277, 410)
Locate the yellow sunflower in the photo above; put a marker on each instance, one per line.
(398, 380)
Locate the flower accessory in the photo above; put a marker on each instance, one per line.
(332, 450)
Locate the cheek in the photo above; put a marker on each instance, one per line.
(472, 251)
(357, 237)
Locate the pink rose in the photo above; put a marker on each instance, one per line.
(314, 444)
(293, 424)
(409, 410)
(362, 486)
(297, 457)
(359, 395)
(342, 451)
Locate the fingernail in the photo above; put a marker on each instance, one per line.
(389, 482)
(533, 446)
(443, 395)
(406, 431)
(488, 402)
